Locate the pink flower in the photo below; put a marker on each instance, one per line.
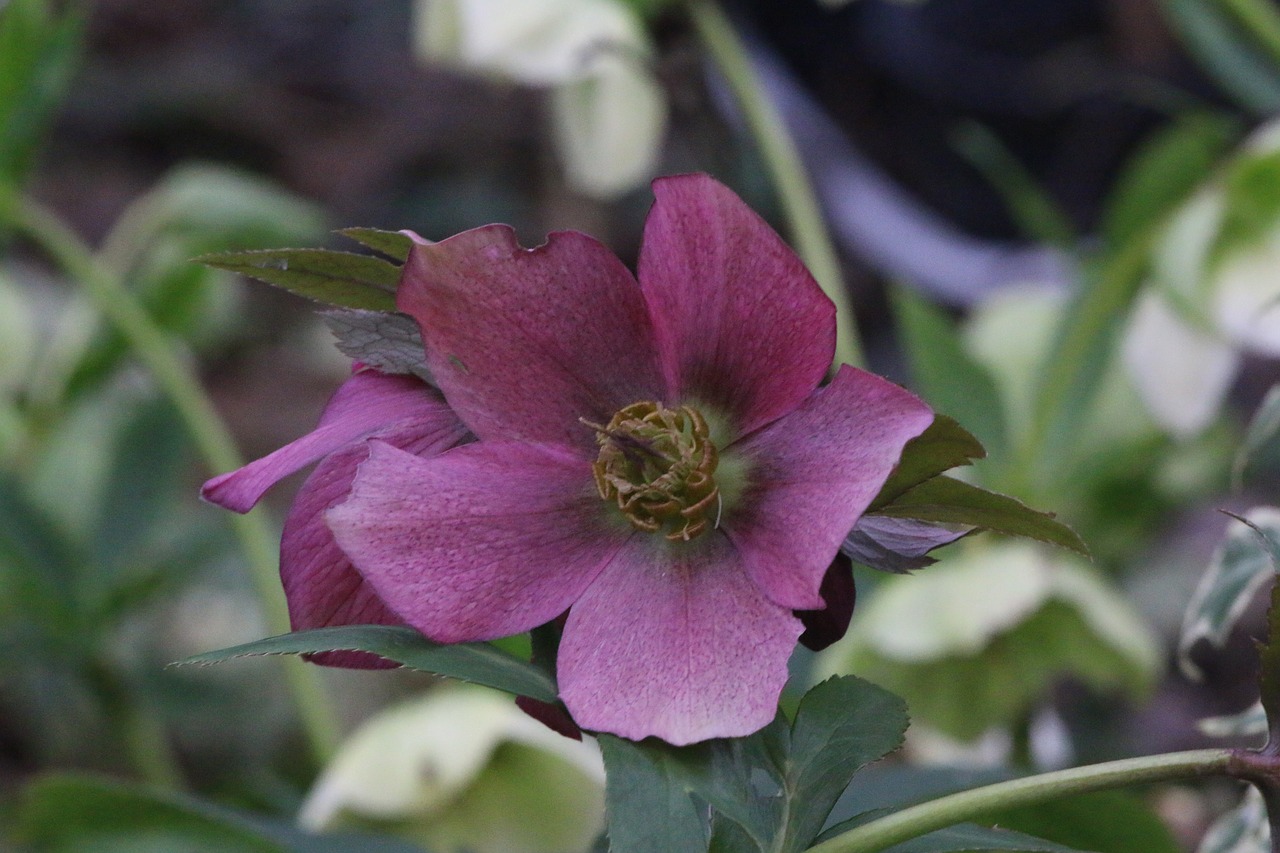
(320, 584)
(656, 458)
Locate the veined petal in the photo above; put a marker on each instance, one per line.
(367, 401)
(320, 584)
(812, 473)
(740, 322)
(675, 641)
(525, 342)
(486, 540)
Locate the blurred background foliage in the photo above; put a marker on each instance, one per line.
(1005, 179)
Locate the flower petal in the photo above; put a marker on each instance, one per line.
(524, 342)
(675, 642)
(741, 324)
(367, 401)
(320, 584)
(812, 474)
(487, 540)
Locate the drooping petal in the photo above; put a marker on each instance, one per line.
(486, 540)
(367, 401)
(675, 642)
(320, 584)
(826, 626)
(740, 322)
(812, 473)
(1181, 373)
(526, 342)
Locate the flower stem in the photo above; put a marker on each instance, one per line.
(800, 206)
(966, 805)
(210, 435)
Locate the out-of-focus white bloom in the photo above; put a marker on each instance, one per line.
(608, 113)
(463, 769)
(1212, 296)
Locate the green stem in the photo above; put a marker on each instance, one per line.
(799, 205)
(212, 438)
(1262, 21)
(956, 808)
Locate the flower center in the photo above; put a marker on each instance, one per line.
(658, 464)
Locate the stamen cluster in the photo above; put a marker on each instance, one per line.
(658, 464)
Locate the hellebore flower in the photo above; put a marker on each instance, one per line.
(653, 456)
(319, 582)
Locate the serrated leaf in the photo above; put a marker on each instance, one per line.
(338, 278)
(842, 725)
(478, 663)
(950, 501)
(77, 812)
(391, 343)
(393, 244)
(942, 446)
(1262, 436)
(1111, 821)
(970, 837)
(647, 800)
(945, 374)
(1240, 565)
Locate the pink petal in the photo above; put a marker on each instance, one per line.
(524, 342)
(321, 585)
(740, 322)
(812, 473)
(366, 401)
(674, 641)
(483, 541)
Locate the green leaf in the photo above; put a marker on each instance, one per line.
(1251, 203)
(647, 800)
(1240, 565)
(1262, 439)
(1164, 171)
(943, 499)
(941, 447)
(1221, 48)
(1244, 829)
(393, 244)
(842, 725)
(1111, 821)
(1034, 211)
(478, 663)
(946, 375)
(75, 813)
(38, 567)
(338, 278)
(39, 51)
(967, 836)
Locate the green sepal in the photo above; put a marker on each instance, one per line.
(336, 278)
(393, 244)
(950, 501)
(478, 663)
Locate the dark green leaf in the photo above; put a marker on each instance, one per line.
(393, 244)
(943, 499)
(945, 375)
(338, 278)
(479, 663)
(648, 804)
(38, 567)
(842, 725)
(1164, 171)
(1251, 202)
(941, 447)
(81, 813)
(1222, 49)
(1269, 650)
